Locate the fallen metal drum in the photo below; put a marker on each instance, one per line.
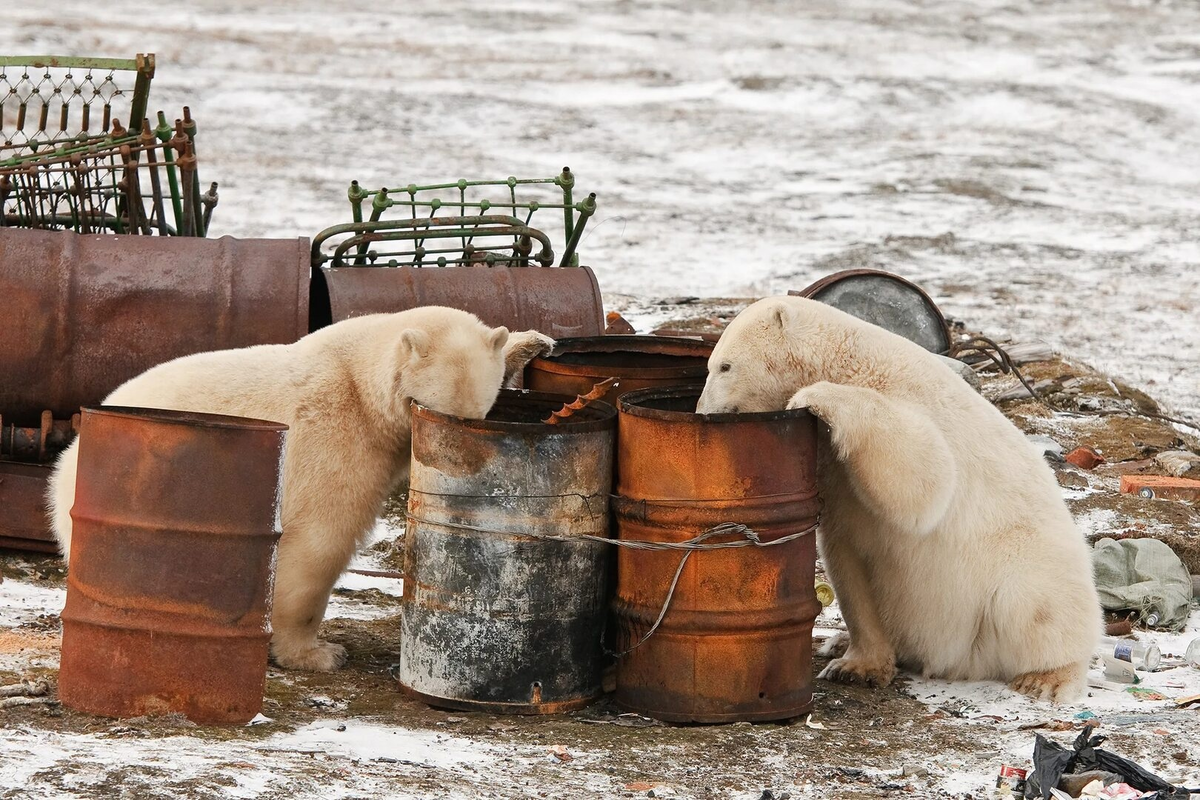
(82, 314)
(23, 507)
(736, 641)
(889, 301)
(493, 618)
(638, 362)
(558, 301)
(175, 526)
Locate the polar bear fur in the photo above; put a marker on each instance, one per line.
(344, 391)
(943, 531)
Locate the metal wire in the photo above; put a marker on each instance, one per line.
(750, 538)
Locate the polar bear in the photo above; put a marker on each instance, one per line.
(344, 392)
(944, 533)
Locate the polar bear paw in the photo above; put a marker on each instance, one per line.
(877, 672)
(1056, 685)
(835, 646)
(521, 348)
(317, 657)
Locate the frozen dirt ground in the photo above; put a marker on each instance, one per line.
(1035, 165)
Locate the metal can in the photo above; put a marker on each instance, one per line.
(736, 640)
(175, 527)
(496, 616)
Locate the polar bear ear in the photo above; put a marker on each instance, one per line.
(498, 338)
(781, 315)
(414, 343)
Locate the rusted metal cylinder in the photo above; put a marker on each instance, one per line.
(23, 511)
(175, 525)
(494, 618)
(736, 641)
(637, 362)
(889, 301)
(556, 301)
(82, 314)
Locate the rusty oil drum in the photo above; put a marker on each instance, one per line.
(81, 314)
(558, 301)
(492, 618)
(176, 521)
(638, 362)
(736, 641)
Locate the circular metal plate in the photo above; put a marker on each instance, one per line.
(886, 300)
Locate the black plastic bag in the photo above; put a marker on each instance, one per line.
(1051, 761)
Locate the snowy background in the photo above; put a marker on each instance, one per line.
(1035, 165)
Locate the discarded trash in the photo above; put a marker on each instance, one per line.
(580, 402)
(1192, 655)
(1011, 780)
(504, 601)
(1119, 670)
(464, 244)
(886, 300)
(616, 325)
(824, 594)
(176, 522)
(1143, 575)
(1144, 693)
(1051, 761)
(1084, 458)
(1143, 655)
(1160, 487)
(735, 641)
(808, 723)
(638, 362)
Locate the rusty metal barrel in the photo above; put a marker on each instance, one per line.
(175, 526)
(495, 616)
(637, 362)
(735, 643)
(82, 314)
(558, 301)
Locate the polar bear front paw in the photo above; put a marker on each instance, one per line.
(835, 646)
(317, 657)
(876, 672)
(1056, 685)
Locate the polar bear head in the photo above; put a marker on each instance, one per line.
(451, 362)
(764, 356)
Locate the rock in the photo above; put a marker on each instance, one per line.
(1050, 449)
(964, 371)
(913, 771)
(1069, 479)
(1177, 462)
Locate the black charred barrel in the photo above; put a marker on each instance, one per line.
(495, 617)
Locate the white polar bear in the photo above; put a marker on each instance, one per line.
(944, 533)
(344, 392)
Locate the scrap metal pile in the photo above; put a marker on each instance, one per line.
(68, 163)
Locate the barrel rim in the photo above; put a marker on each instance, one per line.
(191, 419)
(629, 406)
(607, 420)
(683, 346)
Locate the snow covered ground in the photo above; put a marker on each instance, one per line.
(1035, 164)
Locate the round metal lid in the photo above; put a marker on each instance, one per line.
(886, 300)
